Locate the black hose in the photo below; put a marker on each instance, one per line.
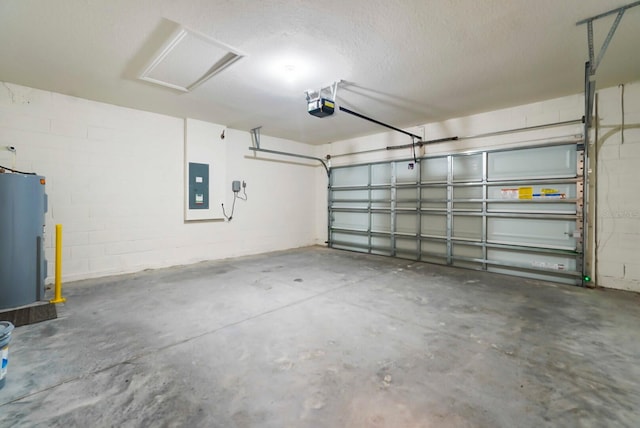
(16, 171)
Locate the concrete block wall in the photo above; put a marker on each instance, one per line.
(115, 180)
(617, 252)
(618, 182)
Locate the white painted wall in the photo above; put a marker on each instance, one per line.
(618, 208)
(204, 144)
(618, 197)
(115, 182)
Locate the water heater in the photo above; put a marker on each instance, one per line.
(23, 268)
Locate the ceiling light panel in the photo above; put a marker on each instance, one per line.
(189, 59)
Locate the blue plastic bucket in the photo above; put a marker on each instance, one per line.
(5, 336)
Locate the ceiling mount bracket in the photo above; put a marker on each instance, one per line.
(592, 65)
(255, 136)
(330, 91)
(593, 61)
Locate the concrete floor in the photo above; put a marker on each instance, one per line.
(322, 338)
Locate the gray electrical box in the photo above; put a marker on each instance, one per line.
(235, 186)
(198, 186)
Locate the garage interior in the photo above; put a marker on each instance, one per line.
(373, 214)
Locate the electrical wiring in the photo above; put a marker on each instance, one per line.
(235, 196)
(621, 86)
(244, 190)
(413, 147)
(16, 171)
(233, 207)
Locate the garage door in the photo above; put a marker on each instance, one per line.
(516, 211)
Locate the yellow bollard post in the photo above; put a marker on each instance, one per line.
(58, 284)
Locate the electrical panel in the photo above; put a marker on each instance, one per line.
(198, 186)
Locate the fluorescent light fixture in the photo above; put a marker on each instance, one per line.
(188, 60)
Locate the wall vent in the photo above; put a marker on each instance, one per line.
(188, 60)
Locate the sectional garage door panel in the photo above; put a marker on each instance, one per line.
(509, 211)
(467, 168)
(353, 176)
(542, 233)
(554, 161)
(467, 227)
(434, 170)
(433, 225)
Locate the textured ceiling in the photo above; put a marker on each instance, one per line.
(404, 62)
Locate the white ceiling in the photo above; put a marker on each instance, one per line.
(405, 62)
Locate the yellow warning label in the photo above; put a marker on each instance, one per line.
(548, 191)
(329, 104)
(525, 193)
